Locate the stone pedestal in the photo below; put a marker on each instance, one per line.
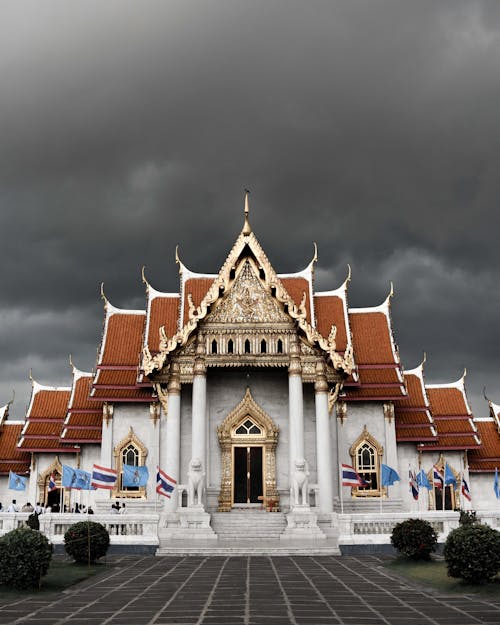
(302, 524)
(186, 524)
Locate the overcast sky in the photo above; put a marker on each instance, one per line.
(371, 127)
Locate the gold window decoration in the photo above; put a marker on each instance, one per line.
(129, 451)
(366, 454)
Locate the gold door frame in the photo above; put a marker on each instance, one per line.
(267, 439)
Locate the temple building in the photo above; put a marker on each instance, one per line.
(251, 389)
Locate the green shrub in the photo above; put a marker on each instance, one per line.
(24, 558)
(86, 541)
(467, 517)
(414, 538)
(472, 553)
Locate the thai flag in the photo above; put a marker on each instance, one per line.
(465, 489)
(164, 483)
(52, 483)
(351, 478)
(438, 477)
(413, 485)
(103, 477)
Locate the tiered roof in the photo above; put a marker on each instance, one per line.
(486, 458)
(435, 417)
(376, 356)
(452, 416)
(83, 422)
(117, 376)
(11, 457)
(414, 420)
(44, 420)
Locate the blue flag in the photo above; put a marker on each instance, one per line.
(69, 477)
(449, 478)
(389, 476)
(17, 482)
(135, 476)
(496, 485)
(83, 480)
(423, 481)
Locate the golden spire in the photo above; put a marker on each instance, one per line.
(246, 227)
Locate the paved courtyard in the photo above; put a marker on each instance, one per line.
(251, 590)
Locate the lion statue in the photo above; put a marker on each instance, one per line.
(300, 484)
(195, 484)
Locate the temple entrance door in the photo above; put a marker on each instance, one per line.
(247, 477)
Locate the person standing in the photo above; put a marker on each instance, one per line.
(13, 507)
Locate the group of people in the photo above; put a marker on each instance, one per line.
(41, 508)
(117, 509)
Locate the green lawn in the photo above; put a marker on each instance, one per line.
(61, 575)
(434, 574)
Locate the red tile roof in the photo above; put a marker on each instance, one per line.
(11, 457)
(119, 357)
(83, 422)
(375, 355)
(486, 459)
(452, 417)
(197, 287)
(163, 310)
(296, 287)
(45, 418)
(414, 422)
(331, 309)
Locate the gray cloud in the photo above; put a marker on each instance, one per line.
(369, 127)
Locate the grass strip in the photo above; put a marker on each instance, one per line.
(433, 573)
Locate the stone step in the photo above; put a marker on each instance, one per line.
(250, 548)
(251, 524)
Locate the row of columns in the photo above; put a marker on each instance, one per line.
(324, 441)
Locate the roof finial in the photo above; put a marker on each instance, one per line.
(13, 397)
(143, 275)
(103, 296)
(246, 227)
(71, 363)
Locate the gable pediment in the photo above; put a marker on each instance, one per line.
(247, 301)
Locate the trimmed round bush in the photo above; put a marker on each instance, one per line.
(86, 541)
(25, 556)
(472, 553)
(414, 538)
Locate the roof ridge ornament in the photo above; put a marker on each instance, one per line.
(103, 296)
(247, 230)
(143, 276)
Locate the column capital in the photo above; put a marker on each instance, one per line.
(295, 366)
(200, 367)
(320, 382)
(174, 380)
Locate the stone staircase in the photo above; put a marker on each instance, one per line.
(251, 525)
(249, 532)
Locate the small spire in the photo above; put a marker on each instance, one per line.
(246, 227)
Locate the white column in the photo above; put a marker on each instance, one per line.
(199, 407)
(391, 450)
(107, 444)
(323, 441)
(173, 434)
(295, 408)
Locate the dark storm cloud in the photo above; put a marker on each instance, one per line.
(369, 127)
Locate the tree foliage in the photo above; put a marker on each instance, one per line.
(472, 553)
(86, 541)
(414, 538)
(25, 556)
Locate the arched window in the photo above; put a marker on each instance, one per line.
(230, 346)
(263, 346)
(367, 455)
(248, 427)
(280, 346)
(129, 451)
(214, 346)
(247, 346)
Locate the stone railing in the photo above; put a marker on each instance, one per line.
(124, 529)
(376, 528)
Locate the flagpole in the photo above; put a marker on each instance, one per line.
(341, 490)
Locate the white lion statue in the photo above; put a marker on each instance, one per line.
(300, 483)
(195, 484)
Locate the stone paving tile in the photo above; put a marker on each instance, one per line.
(249, 591)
